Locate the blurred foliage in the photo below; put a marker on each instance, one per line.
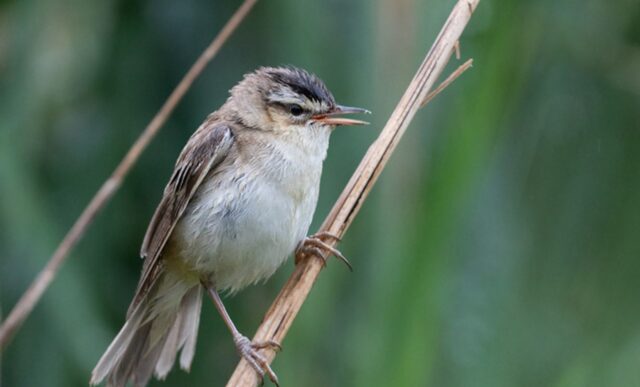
(500, 247)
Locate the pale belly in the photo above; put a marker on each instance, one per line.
(239, 230)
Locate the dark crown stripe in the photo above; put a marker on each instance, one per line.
(301, 82)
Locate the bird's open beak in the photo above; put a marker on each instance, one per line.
(331, 119)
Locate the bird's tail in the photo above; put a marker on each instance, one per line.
(163, 322)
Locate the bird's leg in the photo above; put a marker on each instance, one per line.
(246, 348)
(314, 245)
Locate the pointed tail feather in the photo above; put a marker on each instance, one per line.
(156, 329)
(182, 335)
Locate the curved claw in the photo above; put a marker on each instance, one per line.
(249, 351)
(314, 244)
(271, 344)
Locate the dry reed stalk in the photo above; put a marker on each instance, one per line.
(284, 309)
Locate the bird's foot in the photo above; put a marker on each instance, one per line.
(314, 245)
(249, 350)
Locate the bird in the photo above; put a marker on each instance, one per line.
(240, 200)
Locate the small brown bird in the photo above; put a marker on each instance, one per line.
(240, 200)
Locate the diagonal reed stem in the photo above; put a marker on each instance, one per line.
(287, 304)
(32, 295)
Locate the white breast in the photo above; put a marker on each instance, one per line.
(247, 218)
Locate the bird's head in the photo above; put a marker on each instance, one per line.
(281, 98)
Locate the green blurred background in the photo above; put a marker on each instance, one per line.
(499, 248)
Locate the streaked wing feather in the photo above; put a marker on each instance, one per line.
(204, 151)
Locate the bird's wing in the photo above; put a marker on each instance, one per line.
(204, 151)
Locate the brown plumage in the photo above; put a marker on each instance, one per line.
(206, 148)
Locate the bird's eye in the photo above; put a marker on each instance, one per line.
(295, 110)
